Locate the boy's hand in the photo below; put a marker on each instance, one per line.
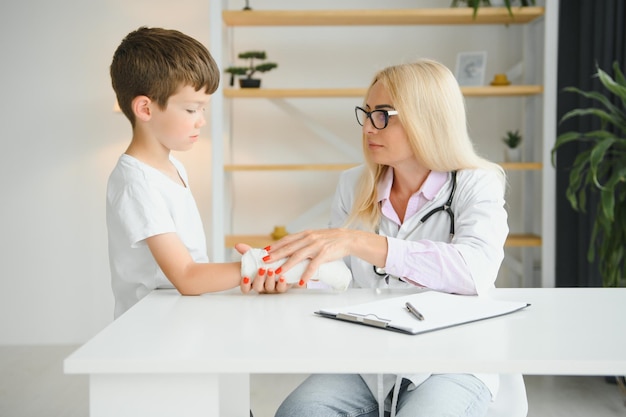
(266, 280)
(242, 248)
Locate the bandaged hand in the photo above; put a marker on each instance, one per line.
(334, 274)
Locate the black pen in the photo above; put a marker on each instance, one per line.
(414, 311)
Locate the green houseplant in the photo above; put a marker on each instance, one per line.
(601, 168)
(512, 140)
(475, 4)
(247, 81)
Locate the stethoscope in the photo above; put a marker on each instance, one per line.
(447, 207)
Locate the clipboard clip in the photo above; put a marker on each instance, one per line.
(365, 319)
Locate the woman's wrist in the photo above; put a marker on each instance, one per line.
(370, 247)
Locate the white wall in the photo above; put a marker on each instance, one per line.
(61, 138)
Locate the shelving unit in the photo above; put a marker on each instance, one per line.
(225, 20)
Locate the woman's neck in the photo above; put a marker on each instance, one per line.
(407, 182)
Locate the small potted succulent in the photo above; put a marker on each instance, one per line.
(475, 4)
(512, 141)
(247, 72)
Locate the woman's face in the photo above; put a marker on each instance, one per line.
(388, 146)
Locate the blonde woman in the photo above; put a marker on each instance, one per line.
(424, 210)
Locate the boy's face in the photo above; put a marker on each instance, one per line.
(178, 126)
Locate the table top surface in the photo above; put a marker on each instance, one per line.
(565, 331)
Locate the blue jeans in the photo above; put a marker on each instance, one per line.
(339, 395)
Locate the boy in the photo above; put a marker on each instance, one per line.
(163, 80)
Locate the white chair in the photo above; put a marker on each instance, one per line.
(511, 400)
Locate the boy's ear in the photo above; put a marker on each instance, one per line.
(141, 108)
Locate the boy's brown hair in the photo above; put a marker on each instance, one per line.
(156, 62)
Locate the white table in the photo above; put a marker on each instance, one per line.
(175, 355)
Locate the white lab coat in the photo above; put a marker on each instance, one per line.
(478, 244)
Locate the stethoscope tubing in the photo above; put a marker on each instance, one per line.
(447, 207)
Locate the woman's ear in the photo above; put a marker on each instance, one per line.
(141, 108)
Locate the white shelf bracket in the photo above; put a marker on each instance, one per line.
(323, 133)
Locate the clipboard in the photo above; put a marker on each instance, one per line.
(440, 311)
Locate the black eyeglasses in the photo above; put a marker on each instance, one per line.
(379, 118)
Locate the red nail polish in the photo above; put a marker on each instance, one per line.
(266, 258)
(267, 248)
(281, 279)
(301, 283)
(246, 280)
(261, 271)
(279, 270)
(270, 273)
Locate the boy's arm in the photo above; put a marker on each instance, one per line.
(188, 276)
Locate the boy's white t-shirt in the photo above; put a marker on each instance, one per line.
(143, 202)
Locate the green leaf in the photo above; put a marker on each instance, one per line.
(577, 175)
(236, 70)
(597, 155)
(619, 75)
(617, 114)
(592, 244)
(607, 204)
(593, 95)
(612, 86)
(252, 55)
(265, 67)
(562, 140)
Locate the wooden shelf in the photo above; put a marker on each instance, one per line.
(522, 166)
(501, 91)
(293, 92)
(522, 240)
(261, 241)
(288, 167)
(509, 166)
(416, 16)
(256, 241)
(484, 91)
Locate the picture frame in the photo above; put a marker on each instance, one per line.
(470, 68)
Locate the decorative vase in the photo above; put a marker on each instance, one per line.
(249, 83)
(512, 154)
(279, 231)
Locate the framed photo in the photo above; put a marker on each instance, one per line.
(470, 68)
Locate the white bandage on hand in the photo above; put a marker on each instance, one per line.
(335, 274)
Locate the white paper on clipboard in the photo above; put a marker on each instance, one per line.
(440, 311)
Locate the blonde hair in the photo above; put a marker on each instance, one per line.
(431, 108)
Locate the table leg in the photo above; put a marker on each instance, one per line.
(234, 395)
(154, 395)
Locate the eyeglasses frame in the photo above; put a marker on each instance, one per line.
(368, 115)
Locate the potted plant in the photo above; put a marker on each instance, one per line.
(601, 168)
(512, 141)
(475, 4)
(251, 69)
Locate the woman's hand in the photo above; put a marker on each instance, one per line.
(326, 245)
